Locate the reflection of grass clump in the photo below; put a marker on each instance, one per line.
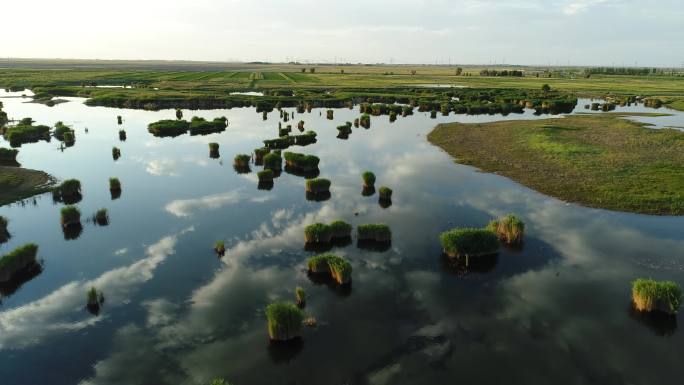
(650, 295)
(469, 242)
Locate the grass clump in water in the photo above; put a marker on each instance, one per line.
(4, 234)
(259, 154)
(8, 156)
(301, 161)
(284, 321)
(19, 259)
(510, 229)
(651, 295)
(241, 160)
(300, 296)
(469, 242)
(70, 216)
(318, 186)
(339, 268)
(341, 229)
(101, 217)
(26, 132)
(68, 192)
(368, 179)
(374, 232)
(385, 193)
(273, 161)
(116, 153)
(317, 233)
(220, 247)
(114, 184)
(201, 126)
(168, 128)
(265, 176)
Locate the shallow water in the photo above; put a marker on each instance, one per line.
(557, 311)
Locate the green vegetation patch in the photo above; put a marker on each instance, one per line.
(339, 268)
(284, 321)
(650, 295)
(379, 232)
(510, 229)
(17, 260)
(168, 128)
(600, 161)
(469, 242)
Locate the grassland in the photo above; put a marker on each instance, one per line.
(601, 161)
(174, 82)
(18, 183)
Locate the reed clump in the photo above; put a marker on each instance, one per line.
(510, 229)
(337, 267)
(284, 321)
(650, 295)
(374, 232)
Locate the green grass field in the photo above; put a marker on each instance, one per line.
(600, 161)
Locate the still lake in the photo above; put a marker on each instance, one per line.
(556, 311)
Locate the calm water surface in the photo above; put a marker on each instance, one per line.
(557, 311)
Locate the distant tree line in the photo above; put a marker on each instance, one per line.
(514, 73)
(627, 71)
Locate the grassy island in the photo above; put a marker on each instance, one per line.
(599, 161)
(650, 295)
(469, 242)
(284, 321)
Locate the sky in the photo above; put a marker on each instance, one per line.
(555, 32)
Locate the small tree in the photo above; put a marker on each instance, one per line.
(546, 88)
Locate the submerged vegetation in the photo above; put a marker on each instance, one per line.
(284, 321)
(337, 267)
(19, 259)
(469, 242)
(650, 295)
(510, 229)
